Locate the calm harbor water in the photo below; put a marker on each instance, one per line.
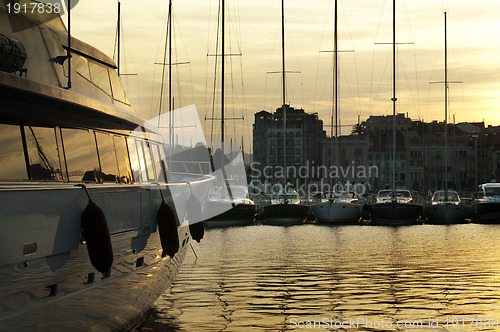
(282, 278)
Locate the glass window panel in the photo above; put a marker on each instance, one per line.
(43, 153)
(149, 161)
(81, 66)
(107, 157)
(78, 155)
(12, 161)
(125, 175)
(134, 160)
(159, 163)
(100, 77)
(142, 162)
(116, 84)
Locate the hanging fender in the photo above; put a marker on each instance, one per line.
(96, 233)
(196, 224)
(167, 227)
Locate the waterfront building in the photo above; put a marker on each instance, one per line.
(304, 140)
(473, 150)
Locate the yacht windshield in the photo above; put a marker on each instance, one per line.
(399, 193)
(441, 197)
(492, 191)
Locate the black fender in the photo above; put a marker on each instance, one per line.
(167, 227)
(96, 233)
(194, 215)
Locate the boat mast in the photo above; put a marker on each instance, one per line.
(170, 57)
(170, 113)
(168, 49)
(446, 88)
(445, 112)
(118, 37)
(335, 87)
(68, 51)
(222, 76)
(394, 100)
(284, 94)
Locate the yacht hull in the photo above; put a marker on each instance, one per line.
(48, 281)
(337, 212)
(445, 214)
(394, 214)
(286, 214)
(487, 213)
(240, 215)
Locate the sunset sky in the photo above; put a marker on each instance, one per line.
(254, 28)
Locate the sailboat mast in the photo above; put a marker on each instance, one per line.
(335, 86)
(284, 92)
(222, 73)
(167, 49)
(118, 37)
(445, 111)
(394, 98)
(170, 33)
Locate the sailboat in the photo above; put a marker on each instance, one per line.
(283, 209)
(446, 206)
(341, 208)
(233, 199)
(394, 207)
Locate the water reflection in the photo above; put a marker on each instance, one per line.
(262, 277)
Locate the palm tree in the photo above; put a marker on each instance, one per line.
(359, 129)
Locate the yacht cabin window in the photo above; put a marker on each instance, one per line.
(124, 172)
(102, 76)
(134, 160)
(78, 153)
(107, 157)
(43, 154)
(12, 161)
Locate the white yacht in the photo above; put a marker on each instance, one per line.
(394, 208)
(90, 235)
(486, 207)
(337, 209)
(344, 208)
(238, 209)
(445, 208)
(401, 196)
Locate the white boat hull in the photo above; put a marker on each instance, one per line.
(337, 212)
(115, 303)
(48, 282)
(445, 213)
